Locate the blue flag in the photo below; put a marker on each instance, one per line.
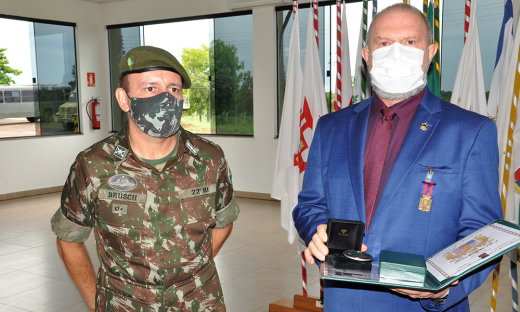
(508, 14)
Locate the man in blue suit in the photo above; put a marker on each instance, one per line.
(429, 180)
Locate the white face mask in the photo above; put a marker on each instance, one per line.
(397, 68)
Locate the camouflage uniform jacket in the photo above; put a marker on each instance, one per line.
(152, 229)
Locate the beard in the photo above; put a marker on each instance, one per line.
(401, 96)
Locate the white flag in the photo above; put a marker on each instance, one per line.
(504, 122)
(469, 91)
(346, 74)
(286, 185)
(314, 104)
(504, 49)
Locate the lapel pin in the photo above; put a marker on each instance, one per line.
(424, 126)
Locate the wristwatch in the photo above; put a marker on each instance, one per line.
(440, 301)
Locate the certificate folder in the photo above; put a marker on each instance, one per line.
(448, 265)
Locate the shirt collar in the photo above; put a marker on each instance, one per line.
(402, 109)
(123, 151)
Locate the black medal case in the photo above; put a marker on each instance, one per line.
(345, 235)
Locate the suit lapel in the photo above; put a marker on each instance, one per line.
(356, 134)
(413, 145)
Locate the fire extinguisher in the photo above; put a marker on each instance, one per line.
(95, 113)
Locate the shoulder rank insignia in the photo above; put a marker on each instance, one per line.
(191, 148)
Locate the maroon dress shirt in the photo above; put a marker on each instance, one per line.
(405, 111)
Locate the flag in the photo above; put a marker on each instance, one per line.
(469, 91)
(509, 132)
(504, 49)
(509, 152)
(344, 84)
(434, 76)
(361, 83)
(286, 178)
(314, 104)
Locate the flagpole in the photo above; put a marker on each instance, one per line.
(316, 28)
(337, 98)
(304, 276)
(364, 69)
(466, 21)
(304, 269)
(437, 39)
(316, 25)
(514, 280)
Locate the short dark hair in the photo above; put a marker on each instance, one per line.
(404, 7)
(124, 83)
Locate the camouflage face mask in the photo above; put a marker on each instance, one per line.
(158, 116)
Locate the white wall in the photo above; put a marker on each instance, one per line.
(35, 163)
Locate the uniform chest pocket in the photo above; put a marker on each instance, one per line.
(198, 204)
(120, 222)
(198, 215)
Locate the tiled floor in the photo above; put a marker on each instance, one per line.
(257, 266)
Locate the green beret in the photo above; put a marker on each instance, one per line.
(146, 58)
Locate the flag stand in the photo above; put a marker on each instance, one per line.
(299, 303)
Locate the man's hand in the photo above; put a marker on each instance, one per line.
(317, 246)
(423, 294)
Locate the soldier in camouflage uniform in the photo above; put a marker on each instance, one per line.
(158, 219)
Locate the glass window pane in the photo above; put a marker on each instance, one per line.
(489, 18)
(56, 78)
(12, 96)
(231, 53)
(191, 48)
(121, 40)
(28, 95)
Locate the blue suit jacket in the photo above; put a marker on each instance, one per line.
(461, 146)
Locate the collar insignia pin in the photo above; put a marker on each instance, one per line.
(424, 126)
(120, 152)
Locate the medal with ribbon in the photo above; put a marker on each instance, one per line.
(427, 191)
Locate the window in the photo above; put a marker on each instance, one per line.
(28, 96)
(12, 96)
(217, 53)
(41, 57)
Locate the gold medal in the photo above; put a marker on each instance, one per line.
(425, 203)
